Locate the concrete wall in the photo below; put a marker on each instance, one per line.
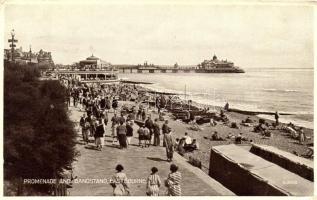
(238, 179)
(295, 166)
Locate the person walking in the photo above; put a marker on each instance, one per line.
(156, 132)
(119, 182)
(105, 117)
(122, 135)
(114, 126)
(99, 135)
(153, 183)
(92, 125)
(143, 115)
(102, 103)
(68, 95)
(129, 131)
(141, 135)
(108, 104)
(86, 131)
(149, 124)
(165, 129)
(169, 141)
(122, 118)
(82, 125)
(74, 99)
(173, 182)
(115, 105)
(147, 137)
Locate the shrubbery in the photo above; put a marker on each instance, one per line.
(39, 138)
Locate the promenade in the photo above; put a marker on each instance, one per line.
(93, 164)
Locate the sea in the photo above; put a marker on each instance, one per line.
(269, 89)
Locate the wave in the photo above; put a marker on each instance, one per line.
(206, 99)
(280, 90)
(157, 88)
(203, 98)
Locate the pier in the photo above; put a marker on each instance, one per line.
(155, 70)
(150, 68)
(146, 70)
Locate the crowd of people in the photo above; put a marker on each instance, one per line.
(295, 133)
(97, 103)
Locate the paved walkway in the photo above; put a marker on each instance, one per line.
(93, 164)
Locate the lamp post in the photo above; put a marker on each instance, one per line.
(12, 45)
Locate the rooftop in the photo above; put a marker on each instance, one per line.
(92, 57)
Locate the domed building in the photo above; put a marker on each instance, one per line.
(93, 63)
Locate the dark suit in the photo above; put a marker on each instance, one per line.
(156, 130)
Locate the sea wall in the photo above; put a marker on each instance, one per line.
(247, 174)
(238, 179)
(293, 163)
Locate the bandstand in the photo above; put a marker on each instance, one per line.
(98, 76)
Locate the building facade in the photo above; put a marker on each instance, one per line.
(42, 58)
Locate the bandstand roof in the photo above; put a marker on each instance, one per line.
(92, 57)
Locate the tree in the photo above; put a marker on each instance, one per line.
(39, 138)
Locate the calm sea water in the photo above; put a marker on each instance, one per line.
(283, 90)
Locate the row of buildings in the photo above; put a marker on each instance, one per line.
(41, 58)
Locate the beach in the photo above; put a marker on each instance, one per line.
(279, 139)
(258, 90)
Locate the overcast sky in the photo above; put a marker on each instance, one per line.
(250, 36)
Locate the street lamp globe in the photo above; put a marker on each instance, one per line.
(12, 32)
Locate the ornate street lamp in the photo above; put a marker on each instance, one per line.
(12, 45)
(12, 33)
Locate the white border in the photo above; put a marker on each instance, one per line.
(148, 2)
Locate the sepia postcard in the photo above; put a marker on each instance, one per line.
(158, 98)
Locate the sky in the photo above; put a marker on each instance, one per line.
(249, 35)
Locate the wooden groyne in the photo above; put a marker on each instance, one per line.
(245, 112)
